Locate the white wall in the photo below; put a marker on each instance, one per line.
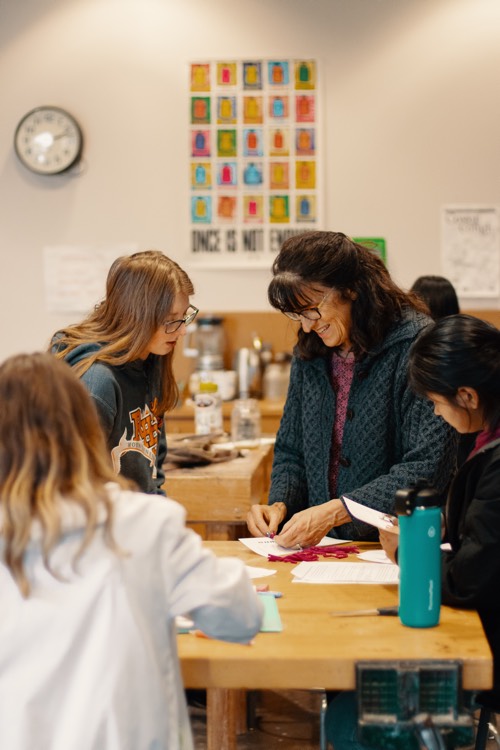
(411, 119)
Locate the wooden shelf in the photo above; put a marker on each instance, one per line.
(181, 419)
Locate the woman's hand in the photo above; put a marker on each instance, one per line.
(265, 519)
(307, 527)
(389, 541)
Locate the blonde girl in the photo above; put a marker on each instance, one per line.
(92, 576)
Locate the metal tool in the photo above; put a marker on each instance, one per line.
(363, 612)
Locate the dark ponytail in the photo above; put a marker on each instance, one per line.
(459, 351)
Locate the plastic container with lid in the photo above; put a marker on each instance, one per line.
(207, 409)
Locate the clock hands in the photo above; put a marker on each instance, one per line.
(46, 139)
(61, 135)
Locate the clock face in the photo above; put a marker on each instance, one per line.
(48, 140)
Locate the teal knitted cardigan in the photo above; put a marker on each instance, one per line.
(391, 437)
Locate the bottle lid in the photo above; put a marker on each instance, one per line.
(208, 387)
(419, 495)
(209, 320)
(427, 497)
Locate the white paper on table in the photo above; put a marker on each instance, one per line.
(374, 517)
(375, 556)
(258, 572)
(265, 546)
(183, 624)
(345, 572)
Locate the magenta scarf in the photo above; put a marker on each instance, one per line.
(484, 437)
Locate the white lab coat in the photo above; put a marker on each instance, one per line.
(90, 663)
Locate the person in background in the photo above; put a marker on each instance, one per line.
(351, 425)
(455, 364)
(123, 353)
(92, 576)
(438, 294)
(441, 298)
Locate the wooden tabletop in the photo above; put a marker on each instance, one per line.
(318, 650)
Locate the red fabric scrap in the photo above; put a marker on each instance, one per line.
(310, 554)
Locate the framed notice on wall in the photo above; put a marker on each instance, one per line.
(470, 237)
(255, 170)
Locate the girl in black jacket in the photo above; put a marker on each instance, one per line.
(456, 364)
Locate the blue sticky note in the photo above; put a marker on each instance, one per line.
(272, 620)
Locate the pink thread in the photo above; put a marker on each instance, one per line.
(311, 554)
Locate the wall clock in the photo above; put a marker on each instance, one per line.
(48, 140)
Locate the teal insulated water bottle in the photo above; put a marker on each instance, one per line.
(419, 555)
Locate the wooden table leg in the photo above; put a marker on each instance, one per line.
(241, 711)
(221, 719)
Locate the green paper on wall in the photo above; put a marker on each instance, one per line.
(375, 244)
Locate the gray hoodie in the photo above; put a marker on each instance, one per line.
(125, 398)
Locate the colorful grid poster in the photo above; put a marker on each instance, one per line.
(254, 158)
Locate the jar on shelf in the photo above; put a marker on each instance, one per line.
(245, 421)
(207, 409)
(275, 381)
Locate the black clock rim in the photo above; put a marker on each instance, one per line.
(43, 108)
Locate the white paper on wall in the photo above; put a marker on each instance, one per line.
(75, 275)
(471, 250)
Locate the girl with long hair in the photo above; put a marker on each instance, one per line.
(123, 353)
(92, 577)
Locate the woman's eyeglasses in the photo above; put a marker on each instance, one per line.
(173, 325)
(309, 313)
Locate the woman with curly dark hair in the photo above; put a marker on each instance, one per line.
(351, 425)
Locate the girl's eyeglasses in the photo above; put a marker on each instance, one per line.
(310, 313)
(173, 325)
